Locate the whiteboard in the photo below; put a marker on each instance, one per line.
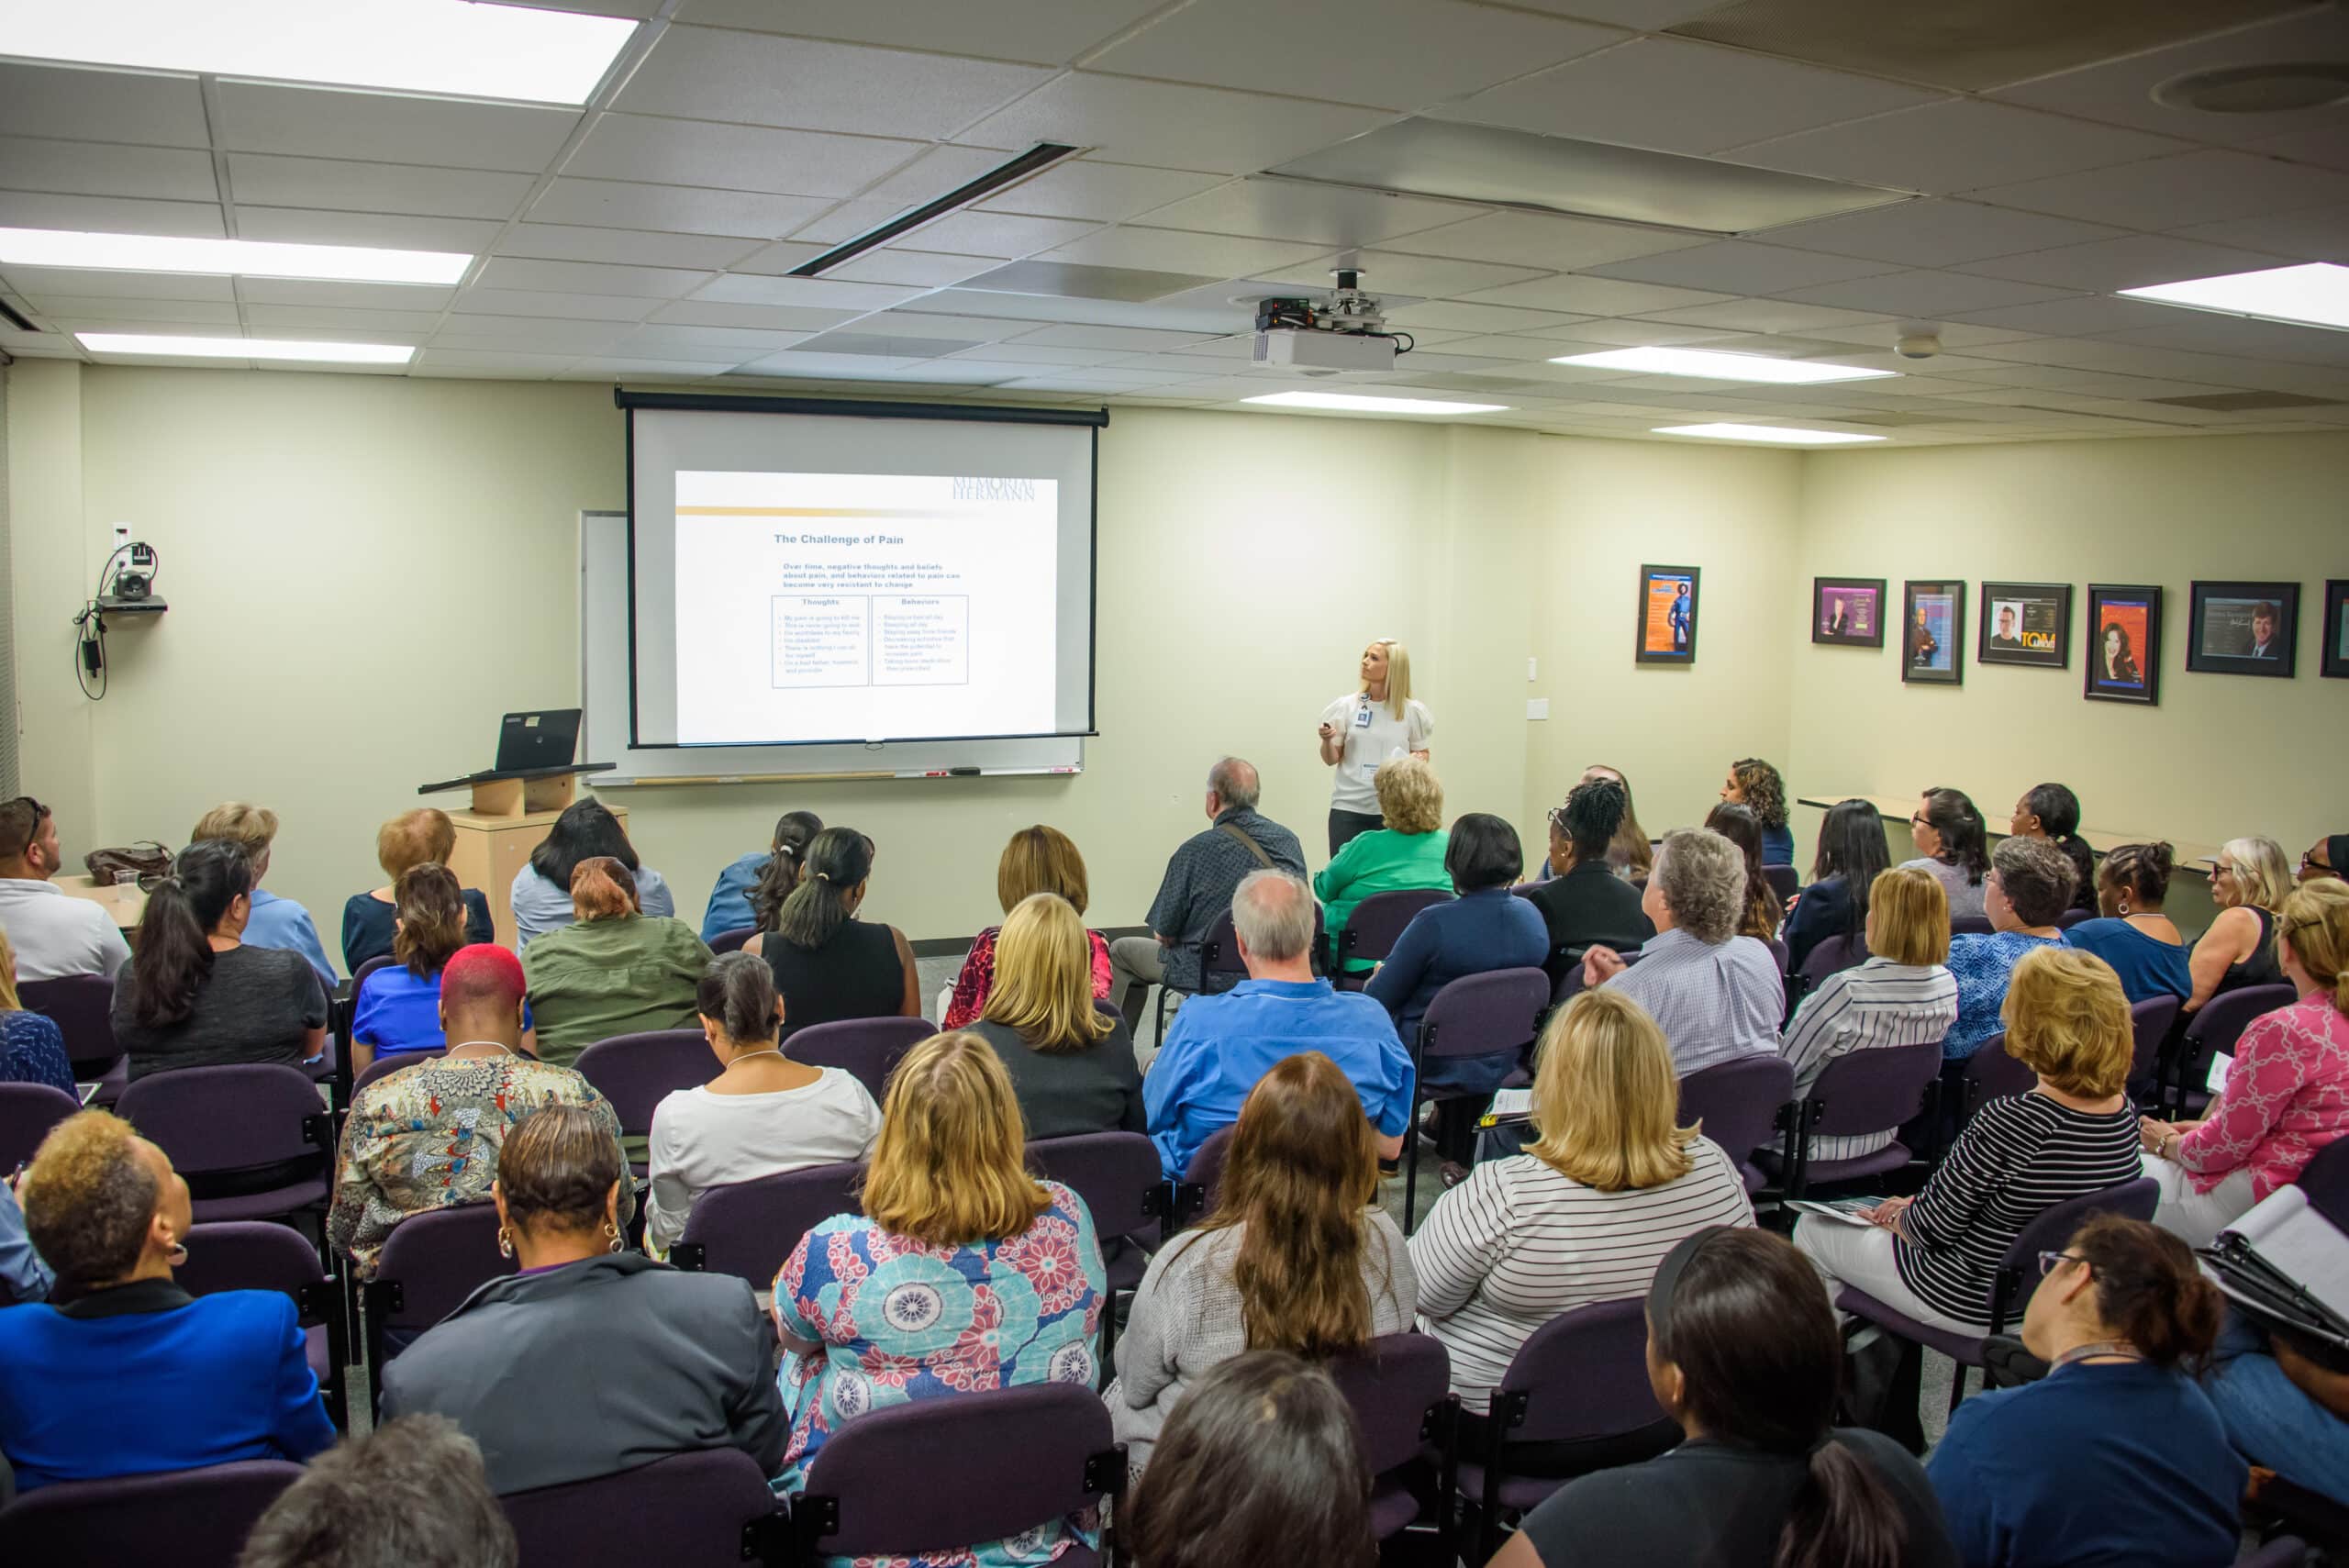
(602, 699)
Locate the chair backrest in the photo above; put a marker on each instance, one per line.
(82, 1008)
(1582, 1374)
(2053, 1227)
(359, 976)
(1778, 950)
(1392, 1384)
(384, 1066)
(1992, 1074)
(733, 941)
(1785, 881)
(1221, 968)
(1873, 1091)
(1116, 1174)
(1478, 1015)
(1970, 926)
(689, 1510)
(2325, 1182)
(1203, 1178)
(252, 1254)
(870, 1048)
(1378, 923)
(234, 1117)
(431, 1262)
(26, 1113)
(748, 1229)
(1569, 983)
(190, 1518)
(995, 1463)
(637, 1072)
(2223, 1017)
(2150, 1022)
(1847, 949)
(2071, 917)
(1738, 1101)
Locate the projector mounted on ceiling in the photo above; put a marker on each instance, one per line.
(1346, 333)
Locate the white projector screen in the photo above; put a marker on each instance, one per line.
(806, 573)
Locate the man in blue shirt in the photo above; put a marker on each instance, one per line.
(1219, 1046)
(275, 922)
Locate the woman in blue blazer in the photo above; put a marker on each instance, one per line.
(121, 1372)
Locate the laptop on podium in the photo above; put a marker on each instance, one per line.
(540, 742)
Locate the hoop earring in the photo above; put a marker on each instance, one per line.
(505, 1241)
(177, 1255)
(616, 1242)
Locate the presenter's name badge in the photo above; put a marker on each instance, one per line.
(1362, 719)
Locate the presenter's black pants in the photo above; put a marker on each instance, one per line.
(1345, 824)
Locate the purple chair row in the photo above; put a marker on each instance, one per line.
(1372, 929)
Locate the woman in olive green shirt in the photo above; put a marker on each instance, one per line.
(614, 971)
(1408, 852)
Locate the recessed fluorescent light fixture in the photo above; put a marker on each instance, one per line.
(1773, 434)
(226, 258)
(408, 46)
(245, 348)
(1717, 366)
(2316, 294)
(1353, 405)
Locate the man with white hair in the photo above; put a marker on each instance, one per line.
(1219, 1046)
(1716, 994)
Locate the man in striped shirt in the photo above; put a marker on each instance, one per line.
(1717, 994)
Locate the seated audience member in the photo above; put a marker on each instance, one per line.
(1904, 993)
(2249, 881)
(827, 964)
(1756, 784)
(1586, 902)
(1072, 1064)
(2327, 858)
(1297, 1255)
(411, 1492)
(408, 840)
(397, 1007)
(2133, 936)
(1038, 860)
(1760, 918)
(1261, 1462)
(429, 1135)
(1219, 1046)
(1198, 887)
(1933, 1256)
(1630, 855)
(1744, 1355)
(55, 934)
(591, 1359)
(734, 903)
(276, 922)
(2051, 812)
(2029, 886)
(2116, 1455)
(1404, 853)
(1835, 904)
(540, 897)
(2286, 1095)
(994, 1279)
(1715, 994)
(2284, 1399)
(1607, 1188)
(32, 1047)
(124, 1372)
(196, 994)
(614, 970)
(1954, 847)
(763, 1114)
(23, 1275)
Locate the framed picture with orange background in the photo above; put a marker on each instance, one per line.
(2125, 644)
(1667, 616)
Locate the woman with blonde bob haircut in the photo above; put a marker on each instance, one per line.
(412, 838)
(1037, 860)
(963, 1272)
(1608, 1186)
(1403, 852)
(1070, 1062)
(2250, 879)
(1379, 720)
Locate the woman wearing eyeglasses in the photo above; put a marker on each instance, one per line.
(1953, 848)
(2116, 1455)
(2249, 881)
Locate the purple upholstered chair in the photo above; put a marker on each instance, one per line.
(2324, 1181)
(1785, 881)
(253, 1254)
(1860, 1093)
(1373, 927)
(997, 1463)
(1202, 1180)
(710, 1509)
(733, 941)
(429, 1263)
(189, 1518)
(1836, 953)
(1581, 1377)
(1740, 1102)
(1991, 1073)
(637, 1072)
(1778, 950)
(2216, 1028)
(1399, 1388)
(26, 1113)
(83, 1008)
(1476, 1015)
(384, 1066)
(1568, 984)
(870, 1048)
(218, 1123)
(2151, 1021)
(1117, 1175)
(2071, 917)
(748, 1229)
(2284, 1552)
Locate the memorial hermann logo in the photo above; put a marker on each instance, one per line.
(995, 490)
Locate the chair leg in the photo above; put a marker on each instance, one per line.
(1957, 1370)
(1158, 1023)
(1411, 1164)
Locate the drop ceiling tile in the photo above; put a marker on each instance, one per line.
(1288, 209)
(1164, 125)
(40, 282)
(106, 168)
(348, 296)
(1126, 338)
(1968, 333)
(734, 157)
(1048, 32)
(730, 345)
(1537, 239)
(621, 247)
(780, 257)
(81, 313)
(1678, 96)
(1391, 274)
(795, 363)
(111, 215)
(1494, 345)
(711, 74)
(405, 325)
(2306, 234)
(1763, 316)
(312, 226)
(1626, 334)
(153, 110)
(391, 128)
(927, 324)
(589, 277)
(528, 334)
(914, 269)
(521, 367)
(2171, 192)
(2202, 332)
(520, 302)
(1740, 267)
(1001, 235)
(1924, 296)
(1109, 193)
(2081, 315)
(819, 293)
(679, 208)
(1461, 316)
(1207, 255)
(622, 369)
(937, 172)
(1090, 312)
(2108, 266)
(1936, 233)
(2327, 147)
(847, 220)
(1597, 296)
(1957, 145)
(2121, 92)
(272, 180)
(1043, 354)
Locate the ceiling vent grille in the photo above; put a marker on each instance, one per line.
(2247, 402)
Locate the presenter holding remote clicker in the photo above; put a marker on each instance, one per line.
(1374, 723)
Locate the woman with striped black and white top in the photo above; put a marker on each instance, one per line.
(1933, 1256)
(1904, 993)
(1582, 1216)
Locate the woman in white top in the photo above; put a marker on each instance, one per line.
(1377, 722)
(763, 1115)
(1582, 1216)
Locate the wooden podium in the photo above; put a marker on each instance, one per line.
(508, 818)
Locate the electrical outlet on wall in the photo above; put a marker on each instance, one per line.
(1531, 666)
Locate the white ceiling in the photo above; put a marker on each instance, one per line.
(645, 238)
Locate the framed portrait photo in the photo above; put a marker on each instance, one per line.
(2026, 623)
(2244, 629)
(2125, 644)
(1933, 633)
(1667, 623)
(1847, 611)
(2335, 662)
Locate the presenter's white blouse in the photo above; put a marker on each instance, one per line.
(1372, 735)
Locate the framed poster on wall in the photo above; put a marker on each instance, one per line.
(2335, 662)
(2026, 623)
(2244, 629)
(1847, 611)
(1932, 621)
(2125, 644)
(1667, 616)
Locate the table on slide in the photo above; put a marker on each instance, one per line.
(1896, 810)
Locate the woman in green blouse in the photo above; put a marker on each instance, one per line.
(1407, 853)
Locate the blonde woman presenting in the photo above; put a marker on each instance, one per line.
(1376, 721)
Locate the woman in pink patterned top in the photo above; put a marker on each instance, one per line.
(1038, 860)
(2287, 1094)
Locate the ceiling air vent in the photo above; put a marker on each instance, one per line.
(2246, 402)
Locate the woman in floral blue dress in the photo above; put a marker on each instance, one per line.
(964, 1273)
(32, 1047)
